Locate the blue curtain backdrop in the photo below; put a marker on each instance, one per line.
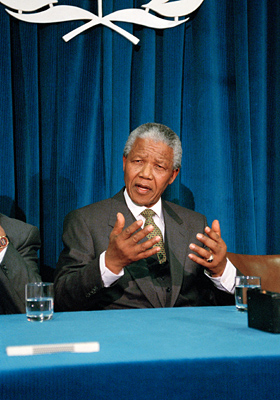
(67, 108)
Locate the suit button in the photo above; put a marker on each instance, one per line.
(168, 289)
(93, 291)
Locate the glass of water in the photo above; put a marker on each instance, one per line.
(39, 301)
(242, 283)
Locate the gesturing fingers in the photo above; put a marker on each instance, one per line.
(213, 254)
(133, 235)
(216, 227)
(124, 234)
(131, 240)
(213, 239)
(119, 224)
(126, 245)
(2, 232)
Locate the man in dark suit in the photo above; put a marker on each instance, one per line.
(109, 262)
(19, 243)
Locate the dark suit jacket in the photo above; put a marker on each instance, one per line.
(78, 282)
(20, 264)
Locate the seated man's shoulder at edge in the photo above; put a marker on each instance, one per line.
(16, 228)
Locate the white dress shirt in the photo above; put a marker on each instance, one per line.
(2, 254)
(225, 282)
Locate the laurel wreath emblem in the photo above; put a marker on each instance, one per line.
(52, 13)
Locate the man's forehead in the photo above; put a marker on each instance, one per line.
(142, 144)
(147, 148)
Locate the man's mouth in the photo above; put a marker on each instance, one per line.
(142, 188)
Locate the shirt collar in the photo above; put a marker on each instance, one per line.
(136, 210)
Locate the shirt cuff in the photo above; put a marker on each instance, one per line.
(108, 277)
(226, 282)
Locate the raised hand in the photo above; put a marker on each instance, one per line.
(2, 232)
(124, 247)
(215, 249)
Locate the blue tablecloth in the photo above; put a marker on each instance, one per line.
(179, 353)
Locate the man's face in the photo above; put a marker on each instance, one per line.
(148, 170)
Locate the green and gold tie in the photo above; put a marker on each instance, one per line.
(148, 214)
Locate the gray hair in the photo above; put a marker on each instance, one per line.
(158, 133)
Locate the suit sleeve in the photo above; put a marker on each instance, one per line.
(77, 276)
(19, 266)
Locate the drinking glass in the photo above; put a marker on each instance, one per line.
(242, 283)
(39, 301)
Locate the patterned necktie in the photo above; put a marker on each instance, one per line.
(148, 214)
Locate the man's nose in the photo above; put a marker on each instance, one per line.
(146, 171)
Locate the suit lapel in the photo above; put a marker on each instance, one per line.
(176, 239)
(141, 275)
(119, 205)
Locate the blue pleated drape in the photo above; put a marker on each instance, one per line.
(67, 108)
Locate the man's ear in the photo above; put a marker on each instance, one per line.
(124, 161)
(174, 175)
